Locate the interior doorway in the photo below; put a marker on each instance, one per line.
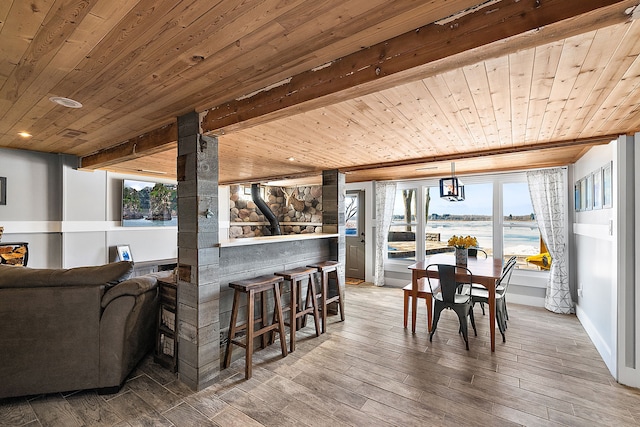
(355, 235)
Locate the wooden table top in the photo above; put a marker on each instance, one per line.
(489, 268)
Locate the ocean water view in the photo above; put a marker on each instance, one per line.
(520, 237)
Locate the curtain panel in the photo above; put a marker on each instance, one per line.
(385, 199)
(548, 190)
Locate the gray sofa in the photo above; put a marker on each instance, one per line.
(72, 329)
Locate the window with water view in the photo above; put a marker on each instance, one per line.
(420, 209)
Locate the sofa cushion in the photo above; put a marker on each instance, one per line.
(134, 286)
(108, 274)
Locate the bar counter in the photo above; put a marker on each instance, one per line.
(247, 241)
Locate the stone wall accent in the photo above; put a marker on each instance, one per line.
(247, 220)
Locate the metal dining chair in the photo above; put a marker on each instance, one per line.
(453, 293)
(479, 294)
(475, 286)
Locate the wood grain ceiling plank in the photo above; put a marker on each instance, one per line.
(216, 46)
(447, 135)
(520, 82)
(622, 101)
(408, 101)
(625, 52)
(479, 93)
(602, 56)
(5, 7)
(388, 134)
(497, 70)
(599, 56)
(47, 42)
(123, 46)
(545, 66)
(465, 109)
(19, 22)
(573, 54)
(88, 33)
(442, 94)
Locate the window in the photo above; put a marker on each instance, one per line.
(402, 233)
(471, 217)
(521, 236)
(419, 211)
(351, 215)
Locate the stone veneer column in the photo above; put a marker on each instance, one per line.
(198, 259)
(333, 220)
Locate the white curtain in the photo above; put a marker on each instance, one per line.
(385, 198)
(548, 190)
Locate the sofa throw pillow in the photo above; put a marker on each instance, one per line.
(108, 274)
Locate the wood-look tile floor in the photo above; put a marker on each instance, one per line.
(370, 371)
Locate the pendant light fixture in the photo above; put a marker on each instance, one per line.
(451, 188)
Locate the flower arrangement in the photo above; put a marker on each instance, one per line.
(463, 242)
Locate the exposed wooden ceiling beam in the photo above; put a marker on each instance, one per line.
(484, 153)
(586, 142)
(497, 29)
(142, 145)
(429, 50)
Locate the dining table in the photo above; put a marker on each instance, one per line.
(485, 272)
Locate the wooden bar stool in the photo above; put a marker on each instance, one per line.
(328, 269)
(295, 276)
(423, 292)
(251, 287)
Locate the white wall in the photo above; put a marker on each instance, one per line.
(595, 262)
(70, 217)
(627, 202)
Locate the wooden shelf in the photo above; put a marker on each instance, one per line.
(166, 353)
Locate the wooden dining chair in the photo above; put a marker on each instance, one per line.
(424, 292)
(453, 293)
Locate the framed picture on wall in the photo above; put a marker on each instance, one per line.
(3, 190)
(597, 189)
(589, 194)
(607, 186)
(124, 253)
(583, 194)
(576, 196)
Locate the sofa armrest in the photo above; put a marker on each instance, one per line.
(127, 328)
(133, 287)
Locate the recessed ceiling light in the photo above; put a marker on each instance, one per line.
(65, 102)
(25, 134)
(291, 159)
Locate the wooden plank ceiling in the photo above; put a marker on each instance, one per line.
(534, 99)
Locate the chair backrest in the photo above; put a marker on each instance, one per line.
(503, 282)
(448, 281)
(476, 252)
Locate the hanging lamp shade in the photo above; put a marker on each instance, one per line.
(451, 188)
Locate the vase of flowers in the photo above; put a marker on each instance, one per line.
(462, 245)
